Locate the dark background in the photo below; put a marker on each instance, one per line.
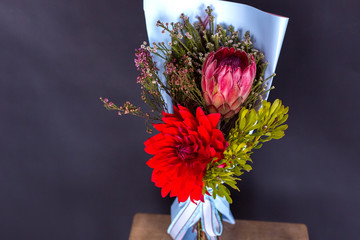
(69, 169)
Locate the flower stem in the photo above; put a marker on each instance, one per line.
(200, 233)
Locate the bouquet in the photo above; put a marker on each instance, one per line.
(206, 88)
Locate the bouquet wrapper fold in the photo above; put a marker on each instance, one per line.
(185, 215)
(267, 32)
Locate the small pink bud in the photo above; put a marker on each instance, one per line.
(222, 165)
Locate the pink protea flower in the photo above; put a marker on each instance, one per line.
(227, 78)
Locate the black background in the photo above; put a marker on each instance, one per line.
(69, 169)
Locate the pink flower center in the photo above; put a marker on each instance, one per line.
(186, 152)
(232, 61)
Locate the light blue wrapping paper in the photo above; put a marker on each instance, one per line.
(185, 215)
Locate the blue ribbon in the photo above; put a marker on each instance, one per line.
(185, 215)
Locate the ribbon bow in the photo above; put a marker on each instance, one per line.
(185, 215)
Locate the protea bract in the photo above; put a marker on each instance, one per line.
(227, 78)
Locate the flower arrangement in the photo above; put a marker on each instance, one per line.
(215, 79)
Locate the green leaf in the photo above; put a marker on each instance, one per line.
(274, 106)
(283, 119)
(278, 135)
(228, 198)
(258, 146)
(233, 186)
(237, 171)
(242, 162)
(247, 168)
(214, 193)
(281, 127)
(242, 123)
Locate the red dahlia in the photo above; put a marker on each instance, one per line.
(184, 146)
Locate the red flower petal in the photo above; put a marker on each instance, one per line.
(205, 136)
(182, 150)
(214, 119)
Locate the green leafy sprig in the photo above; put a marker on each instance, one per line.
(251, 130)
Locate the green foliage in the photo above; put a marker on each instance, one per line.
(251, 130)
